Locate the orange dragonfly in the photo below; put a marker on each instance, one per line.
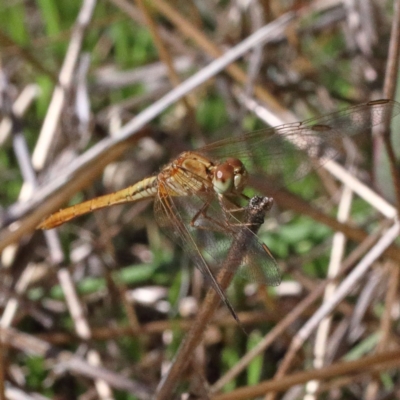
(198, 195)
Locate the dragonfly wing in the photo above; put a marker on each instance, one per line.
(174, 215)
(288, 152)
(258, 264)
(207, 231)
(219, 229)
(170, 217)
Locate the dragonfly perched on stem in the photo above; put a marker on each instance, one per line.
(199, 195)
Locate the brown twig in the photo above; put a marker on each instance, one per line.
(288, 200)
(343, 289)
(82, 178)
(269, 338)
(254, 218)
(154, 328)
(162, 50)
(392, 68)
(377, 362)
(65, 78)
(64, 360)
(6, 41)
(207, 45)
(386, 322)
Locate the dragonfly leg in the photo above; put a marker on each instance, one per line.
(202, 212)
(213, 225)
(239, 208)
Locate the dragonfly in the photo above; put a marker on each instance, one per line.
(198, 197)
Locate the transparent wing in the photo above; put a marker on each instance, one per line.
(206, 230)
(169, 217)
(287, 153)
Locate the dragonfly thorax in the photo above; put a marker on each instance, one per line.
(230, 177)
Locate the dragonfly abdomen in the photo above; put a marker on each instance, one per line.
(139, 191)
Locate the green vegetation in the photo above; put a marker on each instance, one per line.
(113, 282)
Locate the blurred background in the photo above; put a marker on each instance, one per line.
(96, 95)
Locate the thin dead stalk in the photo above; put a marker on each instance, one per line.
(377, 362)
(345, 287)
(255, 212)
(65, 78)
(389, 90)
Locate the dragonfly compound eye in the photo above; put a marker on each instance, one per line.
(223, 179)
(239, 173)
(230, 176)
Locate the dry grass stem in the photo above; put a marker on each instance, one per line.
(96, 96)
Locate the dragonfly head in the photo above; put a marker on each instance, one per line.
(230, 176)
